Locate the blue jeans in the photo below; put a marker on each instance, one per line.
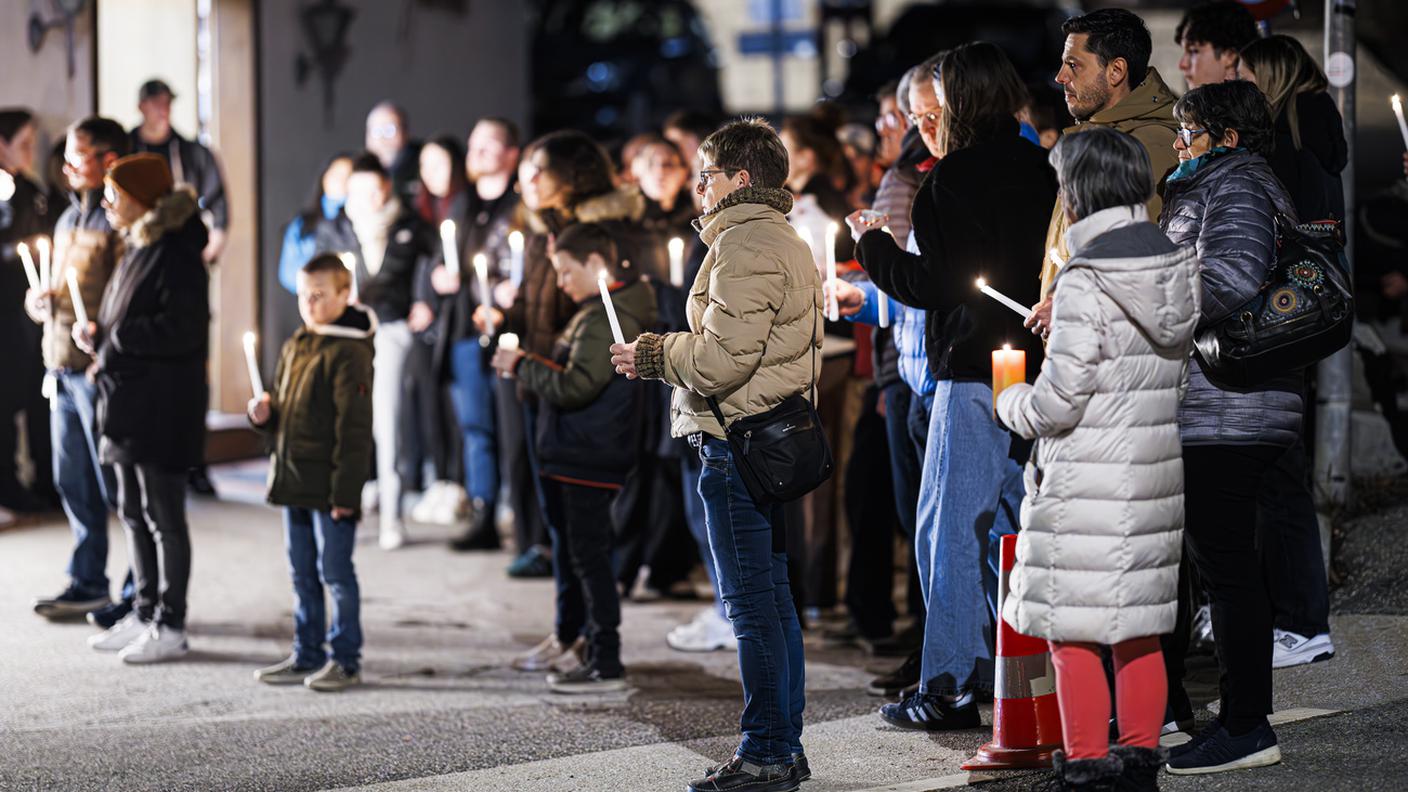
(967, 487)
(752, 578)
(694, 517)
(472, 391)
(85, 486)
(320, 555)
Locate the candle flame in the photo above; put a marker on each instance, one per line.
(447, 229)
(601, 276)
(832, 228)
(1006, 347)
(348, 260)
(1397, 103)
(249, 338)
(515, 240)
(43, 244)
(981, 283)
(676, 246)
(481, 263)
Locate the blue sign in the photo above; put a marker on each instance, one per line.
(797, 43)
(761, 11)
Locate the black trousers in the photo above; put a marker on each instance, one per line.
(152, 503)
(874, 523)
(1222, 485)
(1292, 558)
(582, 516)
(432, 431)
(515, 469)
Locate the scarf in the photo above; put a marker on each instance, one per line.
(373, 229)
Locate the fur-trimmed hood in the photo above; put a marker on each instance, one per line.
(356, 322)
(623, 204)
(171, 213)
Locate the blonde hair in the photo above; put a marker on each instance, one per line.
(1284, 70)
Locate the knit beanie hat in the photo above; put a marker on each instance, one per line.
(145, 178)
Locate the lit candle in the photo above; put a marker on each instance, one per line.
(449, 248)
(508, 341)
(1056, 259)
(1004, 299)
(882, 300)
(256, 383)
(515, 250)
(46, 274)
(80, 312)
(833, 308)
(806, 235)
(350, 262)
(1009, 367)
(481, 271)
(1398, 113)
(30, 274)
(610, 308)
(676, 246)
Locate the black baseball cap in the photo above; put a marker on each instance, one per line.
(154, 88)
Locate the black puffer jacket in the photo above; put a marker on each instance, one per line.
(1225, 206)
(153, 331)
(391, 290)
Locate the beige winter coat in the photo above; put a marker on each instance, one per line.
(754, 318)
(1102, 521)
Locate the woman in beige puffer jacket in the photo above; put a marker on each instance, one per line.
(1102, 521)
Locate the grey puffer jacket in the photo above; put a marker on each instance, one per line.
(1102, 519)
(1225, 206)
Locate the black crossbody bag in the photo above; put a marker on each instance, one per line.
(782, 454)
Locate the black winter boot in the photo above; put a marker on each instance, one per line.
(1141, 768)
(1083, 775)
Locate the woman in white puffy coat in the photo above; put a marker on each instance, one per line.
(1102, 522)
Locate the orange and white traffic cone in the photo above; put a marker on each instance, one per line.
(1026, 720)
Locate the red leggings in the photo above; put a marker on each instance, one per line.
(1141, 692)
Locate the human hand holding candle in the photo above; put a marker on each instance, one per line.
(1398, 113)
(251, 361)
(1016, 307)
(610, 308)
(623, 359)
(833, 310)
(1009, 367)
(260, 409)
(676, 247)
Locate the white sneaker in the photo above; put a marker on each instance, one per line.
(393, 533)
(1292, 649)
(371, 501)
(453, 505)
(709, 632)
(158, 643)
(120, 635)
(429, 504)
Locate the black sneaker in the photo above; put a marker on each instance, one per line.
(199, 483)
(104, 618)
(585, 679)
(740, 775)
(889, 685)
(69, 604)
(926, 712)
(1221, 752)
(800, 767)
(901, 644)
(1208, 731)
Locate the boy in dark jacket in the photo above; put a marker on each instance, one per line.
(320, 416)
(587, 434)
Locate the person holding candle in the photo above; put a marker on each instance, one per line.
(588, 432)
(86, 246)
(318, 419)
(150, 342)
(982, 211)
(754, 340)
(1102, 520)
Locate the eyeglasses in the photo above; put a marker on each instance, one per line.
(928, 116)
(385, 131)
(708, 172)
(1186, 136)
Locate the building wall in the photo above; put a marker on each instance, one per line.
(40, 80)
(144, 39)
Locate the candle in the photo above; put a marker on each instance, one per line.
(1056, 259)
(833, 308)
(450, 249)
(46, 274)
(80, 312)
(1009, 367)
(350, 262)
(806, 235)
(1398, 113)
(481, 271)
(256, 383)
(29, 272)
(1004, 299)
(508, 341)
(515, 249)
(882, 300)
(676, 262)
(610, 309)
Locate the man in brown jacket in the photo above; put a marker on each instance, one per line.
(754, 340)
(1105, 71)
(84, 243)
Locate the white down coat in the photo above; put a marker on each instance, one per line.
(1102, 521)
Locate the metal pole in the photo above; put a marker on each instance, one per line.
(1336, 373)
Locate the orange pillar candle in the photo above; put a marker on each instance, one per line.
(1009, 367)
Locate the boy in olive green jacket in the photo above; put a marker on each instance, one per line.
(320, 417)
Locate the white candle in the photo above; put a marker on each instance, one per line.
(610, 308)
(350, 262)
(508, 341)
(450, 248)
(515, 265)
(1398, 113)
(481, 271)
(30, 274)
(46, 273)
(80, 312)
(1004, 299)
(256, 383)
(833, 308)
(882, 300)
(1056, 259)
(676, 246)
(806, 235)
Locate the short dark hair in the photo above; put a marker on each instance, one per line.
(1225, 24)
(12, 120)
(578, 163)
(581, 240)
(701, 125)
(329, 263)
(1235, 104)
(367, 162)
(749, 144)
(1099, 167)
(513, 138)
(1115, 33)
(103, 134)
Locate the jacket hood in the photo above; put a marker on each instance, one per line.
(620, 204)
(741, 206)
(356, 322)
(171, 213)
(1150, 103)
(1155, 283)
